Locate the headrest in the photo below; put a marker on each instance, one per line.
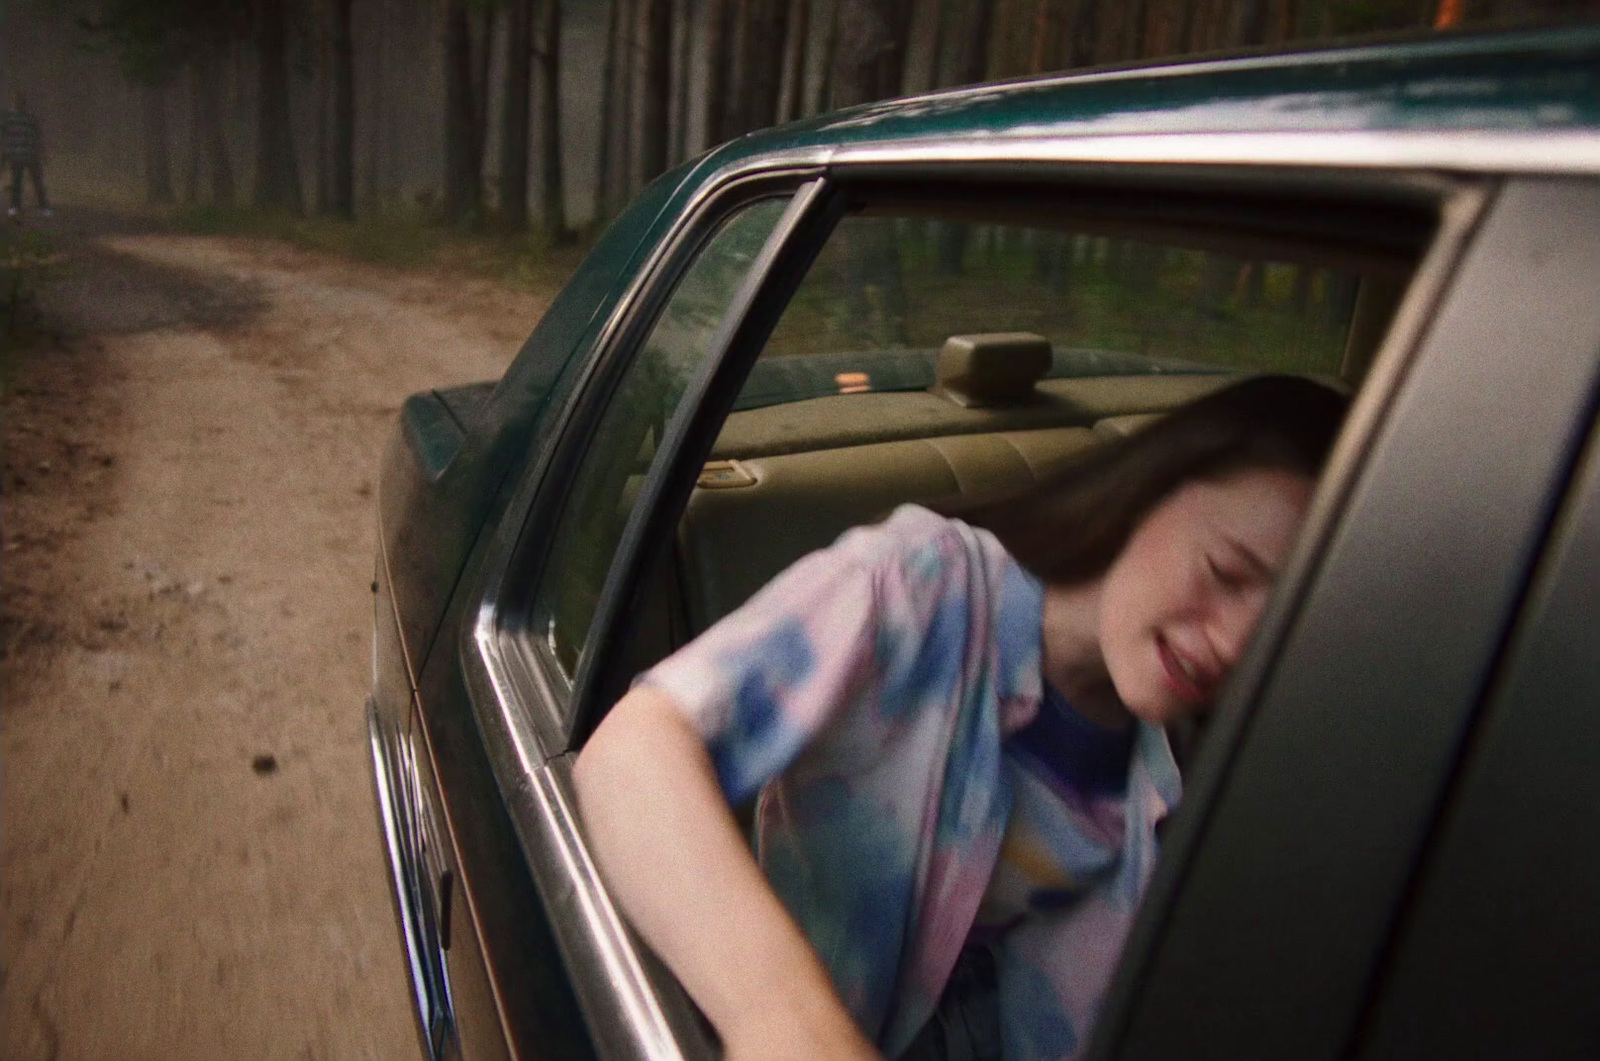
(994, 368)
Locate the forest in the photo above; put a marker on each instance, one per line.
(548, 115)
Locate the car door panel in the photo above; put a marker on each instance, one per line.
(1482, 968)
(1274, 901)
(496, 903)
(472, 1012)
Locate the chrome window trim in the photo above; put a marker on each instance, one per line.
(1462, 151)
(631, 1016)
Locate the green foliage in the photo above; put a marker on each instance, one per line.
(1345, 17)
(400, 238)
(155, 39)
(26, 259)
(1077, 291)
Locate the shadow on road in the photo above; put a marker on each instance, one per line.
(88, 287)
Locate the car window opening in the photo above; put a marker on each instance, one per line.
(843, 415)
(955, 363)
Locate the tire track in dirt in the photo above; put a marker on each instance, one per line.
(186, 596)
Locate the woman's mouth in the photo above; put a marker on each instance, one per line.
(1183, 676)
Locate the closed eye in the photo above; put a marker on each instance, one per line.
(1224, 577)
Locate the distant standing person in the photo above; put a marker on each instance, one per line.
(22, 146)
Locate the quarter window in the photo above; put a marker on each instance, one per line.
(623, 447)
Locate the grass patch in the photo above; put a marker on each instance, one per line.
(27, 259)
(400, 238)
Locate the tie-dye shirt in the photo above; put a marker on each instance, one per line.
(868, 693)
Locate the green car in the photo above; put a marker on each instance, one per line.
(1390, 840)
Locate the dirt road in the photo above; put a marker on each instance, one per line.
(191, 863)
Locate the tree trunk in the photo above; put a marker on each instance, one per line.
(627, 94)
(1186, 32)
(1339, 301)
(719, 70)
(514, 113)
(377, 117)
(191, 174)
(158, 166)
(766, 53)
(322, 90)
(1218, 279)
(830, 49)
(1300, 294)
(1001, 38)
(974, 66)
(609, 107)
(655, 82)
(1135, 36)
(681, 57)
(867, 61)
(1249, 23)
(792, 89)
(463, 185)
(209, 115)
(1249, 27)
(737, 117)
(1041, 37)
(866, 68)
(553, 186)
(344, 112)
(277, 167)
(937, 67)
(1086, 33)
(975, 42)
(480, 84)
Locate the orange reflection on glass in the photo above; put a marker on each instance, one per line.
(853, 382)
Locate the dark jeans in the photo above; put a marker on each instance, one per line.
(966, 1025)
(36, 171)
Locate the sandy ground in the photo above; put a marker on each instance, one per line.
(190, 864)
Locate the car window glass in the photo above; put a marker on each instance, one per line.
(886, 292)
(841, 416)
(623, 446)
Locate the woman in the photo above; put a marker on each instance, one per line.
(957, 730)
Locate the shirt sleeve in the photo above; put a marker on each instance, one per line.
(817, 641)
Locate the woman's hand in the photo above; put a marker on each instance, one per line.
(674, 858)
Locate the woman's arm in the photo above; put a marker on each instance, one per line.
(673, 856)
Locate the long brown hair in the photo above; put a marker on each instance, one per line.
(1069, 530)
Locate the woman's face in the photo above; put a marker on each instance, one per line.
(1181, 600)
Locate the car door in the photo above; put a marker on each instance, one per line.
(1304, 827)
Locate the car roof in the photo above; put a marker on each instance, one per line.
(1543, 83)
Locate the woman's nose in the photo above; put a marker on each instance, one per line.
(1234, 622)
